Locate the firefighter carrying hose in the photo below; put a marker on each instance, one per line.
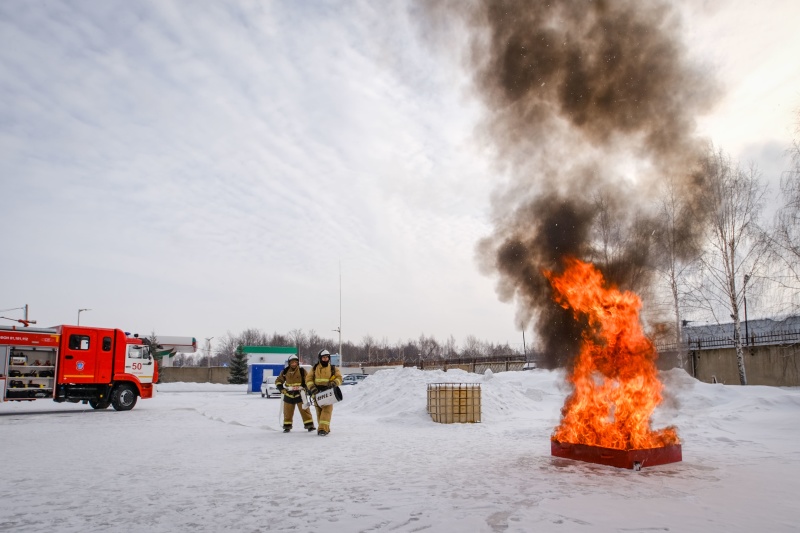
(290, 382)
(321, 378)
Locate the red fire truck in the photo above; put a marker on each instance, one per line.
(97, 366)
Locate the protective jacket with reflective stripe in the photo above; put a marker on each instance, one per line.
(320, 377)
(292, 378)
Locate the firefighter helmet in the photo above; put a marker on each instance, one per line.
(321, 353)
(293, 357)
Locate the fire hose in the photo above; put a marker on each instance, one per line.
(306, 400)
(327, 397)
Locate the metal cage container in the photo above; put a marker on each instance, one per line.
(450, 403)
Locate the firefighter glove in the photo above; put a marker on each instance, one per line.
(280, 387)
(312, 391)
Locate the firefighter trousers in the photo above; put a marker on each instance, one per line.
(324, 417)
(288, 415)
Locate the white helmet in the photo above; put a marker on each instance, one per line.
(321, 353)
(293, 357)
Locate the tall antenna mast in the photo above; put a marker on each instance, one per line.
(341, 357)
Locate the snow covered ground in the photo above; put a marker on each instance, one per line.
(202, 457)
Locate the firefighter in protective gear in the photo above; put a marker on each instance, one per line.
(290, 381)
(322, 377)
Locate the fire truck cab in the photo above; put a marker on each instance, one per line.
(97, 366)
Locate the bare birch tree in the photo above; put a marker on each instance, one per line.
(676, 246)
(735, 245)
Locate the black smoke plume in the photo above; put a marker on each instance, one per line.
(590, 105)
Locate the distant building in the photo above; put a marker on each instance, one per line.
(265, 361)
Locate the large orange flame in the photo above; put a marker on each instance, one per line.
(616, 386)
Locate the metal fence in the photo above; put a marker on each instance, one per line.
(762, 339)
(496, 363)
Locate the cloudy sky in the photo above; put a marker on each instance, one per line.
(198, 168)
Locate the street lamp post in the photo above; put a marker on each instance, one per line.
(208, 350)
(744, 294)
(79, 314)
(208, 355)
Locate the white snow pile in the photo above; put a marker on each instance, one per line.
(207, 458)
(401, 395)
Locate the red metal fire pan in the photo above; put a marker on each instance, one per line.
(632, 459)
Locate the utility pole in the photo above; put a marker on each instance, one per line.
(79, 314)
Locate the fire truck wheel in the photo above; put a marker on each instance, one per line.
(99, 404)
(123, 398)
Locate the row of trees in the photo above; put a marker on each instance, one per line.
(368, 351)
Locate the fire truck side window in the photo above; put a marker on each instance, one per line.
(78, 342)
(106, 344)
(134, 351)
